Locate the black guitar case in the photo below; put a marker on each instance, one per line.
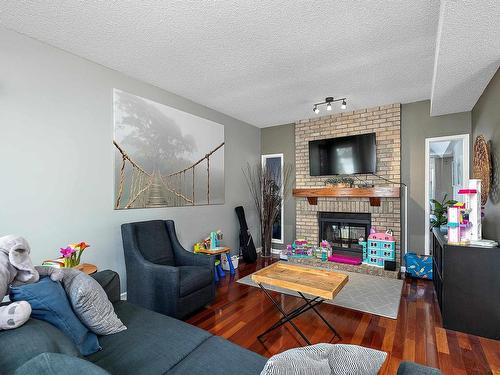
(247, 247)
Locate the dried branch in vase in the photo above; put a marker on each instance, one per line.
(268, 189)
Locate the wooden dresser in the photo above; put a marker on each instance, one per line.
(467, 283)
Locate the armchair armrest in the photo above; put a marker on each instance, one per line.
(110, 282)
(184, 257)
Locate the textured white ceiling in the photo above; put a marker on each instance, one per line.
(264, 62)
(467, 54)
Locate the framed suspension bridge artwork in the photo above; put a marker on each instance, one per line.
(165, 157)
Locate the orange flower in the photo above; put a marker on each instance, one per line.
(79, 246)
(83, 245)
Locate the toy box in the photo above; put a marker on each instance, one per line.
(419, 266)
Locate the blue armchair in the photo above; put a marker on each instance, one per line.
(161, 275)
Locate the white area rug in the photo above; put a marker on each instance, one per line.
(371, 294)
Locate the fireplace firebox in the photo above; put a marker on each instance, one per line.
(343, 231)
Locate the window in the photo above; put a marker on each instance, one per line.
(274, 163)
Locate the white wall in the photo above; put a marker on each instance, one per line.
(56, 156)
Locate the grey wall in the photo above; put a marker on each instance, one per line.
(56, 156)
(486, 121)
(416, 125)
(281, 140)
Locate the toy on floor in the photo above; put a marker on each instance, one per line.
(379, 247)
(464, 218)
(338, 258)
(344, 259)
(300, 248)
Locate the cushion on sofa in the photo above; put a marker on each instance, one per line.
(28, 341)
(335, 359)
(90, 303)
(49, 302)
(152, 343)
(411, 368)
(219, 356)
(55, 363)
(193, 278)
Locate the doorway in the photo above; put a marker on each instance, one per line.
(446, 171)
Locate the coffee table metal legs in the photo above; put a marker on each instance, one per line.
(321, 316)
(288, 316)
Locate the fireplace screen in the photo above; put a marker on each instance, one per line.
(343, 231)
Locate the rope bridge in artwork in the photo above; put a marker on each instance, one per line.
(152, 189)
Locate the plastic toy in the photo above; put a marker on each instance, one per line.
(379, 248)
(464, 218)
(300, 248)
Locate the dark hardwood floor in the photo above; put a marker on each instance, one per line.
(241, 312)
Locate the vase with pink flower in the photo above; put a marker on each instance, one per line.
(72, 254)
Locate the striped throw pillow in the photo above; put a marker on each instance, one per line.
(335, 359)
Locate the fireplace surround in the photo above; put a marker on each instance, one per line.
(343, 231)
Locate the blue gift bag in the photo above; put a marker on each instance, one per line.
(419, 266)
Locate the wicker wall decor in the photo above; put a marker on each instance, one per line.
(481, 166)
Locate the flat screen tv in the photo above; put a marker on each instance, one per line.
(343, 155)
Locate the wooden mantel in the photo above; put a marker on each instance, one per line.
(374, 193)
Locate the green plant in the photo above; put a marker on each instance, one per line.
(440, 211)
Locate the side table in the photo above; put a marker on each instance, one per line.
(218, 251)
(87, 268)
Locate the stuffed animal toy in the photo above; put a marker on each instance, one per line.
(16, 268)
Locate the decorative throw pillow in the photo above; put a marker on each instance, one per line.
(49, 303)
(338, 359)
(90, 303)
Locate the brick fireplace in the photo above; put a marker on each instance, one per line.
(385, 122)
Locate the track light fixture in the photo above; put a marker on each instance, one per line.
(328, 101)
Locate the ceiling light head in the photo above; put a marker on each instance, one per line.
(329, 106)
(316, 109)
(344, 104)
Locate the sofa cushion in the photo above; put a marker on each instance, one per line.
(152, 343)
(338, 359)
(193, 278)
(90, 303)
(55, 363)
(49, 302)
(219, 356)
(26, 342)
(412, 368)
(153, 242)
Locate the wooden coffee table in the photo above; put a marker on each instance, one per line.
(319, 283)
